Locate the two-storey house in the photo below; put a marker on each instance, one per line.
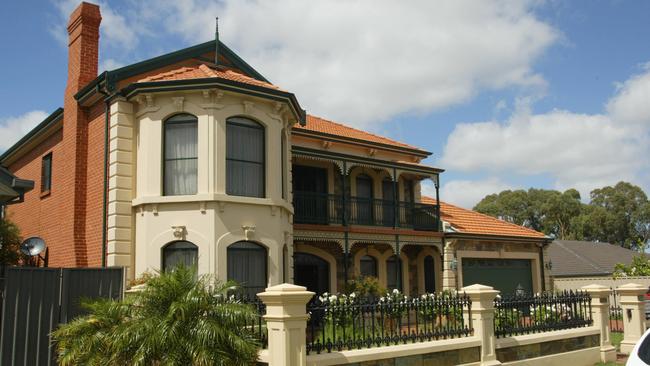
(194, 157)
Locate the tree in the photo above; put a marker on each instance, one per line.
(178, 319)
(640, 266)
(9, 243)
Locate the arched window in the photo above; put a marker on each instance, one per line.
(247, 266)
(368, 266)
(364, 200)
(180, 155)
(245, 157)
(312, 272)
(179, 253)
(429, 275)
(393, 273)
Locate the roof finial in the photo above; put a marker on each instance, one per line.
(216, 42)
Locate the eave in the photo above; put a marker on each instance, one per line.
(497, 237)
(134, 89)
(32, 137)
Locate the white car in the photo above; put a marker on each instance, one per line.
(640, 355)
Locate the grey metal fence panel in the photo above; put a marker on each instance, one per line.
(30, 312)
(88, 283)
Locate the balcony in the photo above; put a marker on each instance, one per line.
(327, 209)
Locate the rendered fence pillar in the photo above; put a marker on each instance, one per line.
(448, 272)
(600, 313)
(633, 305)
(286, 322)
(483, 320)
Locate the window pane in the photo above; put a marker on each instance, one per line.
(181, 151)
(244, 158)
(368, 266)
(391, 272)
(179, 253)
(46, 173)
(247, 266)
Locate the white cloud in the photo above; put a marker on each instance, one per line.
(109, 64)
(467, 193)
(358, 61)
(581, 151)
(13, 128)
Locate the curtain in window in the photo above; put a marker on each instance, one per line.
(368, 266)
(392, 268)
(181, 151)
(244, 157)
(179, 253)
(247, 265)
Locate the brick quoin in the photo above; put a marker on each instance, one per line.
(69, 219)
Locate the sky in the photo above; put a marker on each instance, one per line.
(504, 94)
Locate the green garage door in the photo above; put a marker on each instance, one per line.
(505, 275)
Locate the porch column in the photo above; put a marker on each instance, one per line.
(448, 272)
(633, 305)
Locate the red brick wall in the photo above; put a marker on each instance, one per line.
(94, 184)
(40, 215)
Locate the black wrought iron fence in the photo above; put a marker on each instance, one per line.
(257, 325)
(615, 312)
(525, 314)
(347, 322)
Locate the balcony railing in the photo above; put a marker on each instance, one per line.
(324, 209)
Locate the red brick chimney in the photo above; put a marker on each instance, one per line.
(83, 53)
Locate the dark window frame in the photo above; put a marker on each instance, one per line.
(368, 258)
(168, 121)
(242, 247)
(254, 125)
(46, 173)
(171, 245)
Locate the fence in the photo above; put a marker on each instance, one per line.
(525, 314)
(615, 312)
(37, 300)
(348, 322)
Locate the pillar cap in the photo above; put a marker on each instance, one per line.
(286, 287)
(285, 293)
(596, 289)
(634, 289)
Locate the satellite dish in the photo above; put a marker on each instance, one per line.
(32, 246)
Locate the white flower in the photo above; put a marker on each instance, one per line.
(353, 295)
(382, 299)
(333, 298)
(424, 297)
(395, 291)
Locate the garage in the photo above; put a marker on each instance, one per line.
(505, 275)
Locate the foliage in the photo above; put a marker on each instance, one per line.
(9, 243)
(435, 309)
(640, 266)
(177, 319)
(144, 278)
(365, 287)
(619, 215)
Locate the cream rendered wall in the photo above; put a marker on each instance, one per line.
(210, 219)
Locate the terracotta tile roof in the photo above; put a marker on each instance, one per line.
(204, 71)
(322, 125)
(471, 222)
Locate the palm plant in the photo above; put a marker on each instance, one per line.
(178, 319)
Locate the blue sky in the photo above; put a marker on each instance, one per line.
(550, 94)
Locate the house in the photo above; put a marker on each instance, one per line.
(194, 157)
(574, 263)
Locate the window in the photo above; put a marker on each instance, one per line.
(46, 173)
(283, 156)
(368, 266)
(393, 273)
(180, 155)
(247, 266)
(244, 157)
(179, 253)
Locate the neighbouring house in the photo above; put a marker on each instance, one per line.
(12, 188)
(194, 157)
(577, 263)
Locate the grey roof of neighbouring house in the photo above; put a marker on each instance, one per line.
(572, 258)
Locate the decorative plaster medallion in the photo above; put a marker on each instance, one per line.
(178, 103)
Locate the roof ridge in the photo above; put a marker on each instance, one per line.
(489, 217)
(364, 131)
